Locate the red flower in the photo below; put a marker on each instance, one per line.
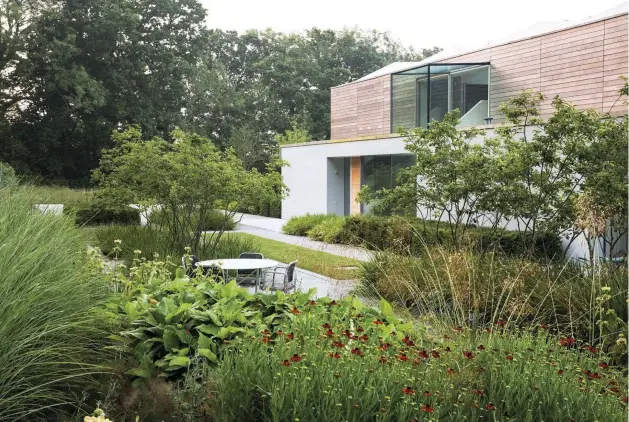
(356, 351)
(265, 332)
(285, 363)
(591, 375)
(295, 311)
(382, 359)
(426, 408)
(333, 303)
(501, 323)
(580, 380)
(477, 392)
(509, 357)
(335, 355)
(481, 347)
(423, 354)
(427, 394)
(567, 341)
(326, 326)
(384, 346)
(296, 358)
(360, 330)
(377, 322)
(451, 371)
(364, 338)
(266, 340)
(591, 349)
(603, 365)
(457, 329)
(408, 391)
(490, 406)
(403, 357)
(543, 326)
(338, 344)
(312, 303)
(406, 340)
(468, 354)
(560, 372)
(435, 354)
(329, 333)
(614, 389)
(626, 399)
(290, 336)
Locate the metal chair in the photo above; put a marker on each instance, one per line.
(288, 274)
(248, 275)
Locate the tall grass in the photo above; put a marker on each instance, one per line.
(49, 340)
(465, 288)
(299, 226)
(62, 195)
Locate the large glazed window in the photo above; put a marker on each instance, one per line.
(427, 93)
(381, 171)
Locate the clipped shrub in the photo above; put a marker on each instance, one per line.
(96, 215)
(329, 230)
(50, 332)
(299, 226)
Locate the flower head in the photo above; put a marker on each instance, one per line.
(285, 362)
(490, 406)
(338, 344)
(296, 358)
(468, 354)
(406, 340)
(426, 408)
(295, 311)
(356, 351)
(408, 391)
(567, 341)
(334, 355)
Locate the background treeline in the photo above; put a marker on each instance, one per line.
(71, 72)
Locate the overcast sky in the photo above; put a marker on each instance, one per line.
(447, 24)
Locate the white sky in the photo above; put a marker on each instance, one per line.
(446, 24)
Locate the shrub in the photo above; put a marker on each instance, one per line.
(299, 226)
(7, 176)
(347, 364)
(96, 215)
(50, 338)
(213, 220)
(329, 230)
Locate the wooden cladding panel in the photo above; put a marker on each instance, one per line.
(354, 185)
(581, 65)
(361, 108)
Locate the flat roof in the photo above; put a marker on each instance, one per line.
(396, 67)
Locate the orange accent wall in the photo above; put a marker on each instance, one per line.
(354, 187)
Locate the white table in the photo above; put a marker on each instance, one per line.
(240, 264)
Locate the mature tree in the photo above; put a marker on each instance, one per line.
(186, 179)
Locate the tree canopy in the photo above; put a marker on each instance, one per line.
(71, 72)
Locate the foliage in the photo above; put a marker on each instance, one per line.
(329, 230)
(7, 176)
(463, 288)
(345, 362)
(525, 177)
(62, 195)
(187, 180)
(95, 215)
(213, 220)
(51, 342)
(296, 135)
(156, 245)
(299, 226)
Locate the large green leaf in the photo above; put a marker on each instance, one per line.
(204, 342)
(171, 341)
(178, 362)
(207, 353)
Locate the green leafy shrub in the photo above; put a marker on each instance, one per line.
(212, 220)
(7, 176)
(329, 230)
(343, 362)
(51, 343)
(96, 215)
(299, 226)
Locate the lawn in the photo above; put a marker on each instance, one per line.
(333, 266)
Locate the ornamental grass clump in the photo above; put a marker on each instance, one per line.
(50, 341)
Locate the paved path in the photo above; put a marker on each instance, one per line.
(271, 228)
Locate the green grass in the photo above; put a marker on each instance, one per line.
(49, 293)
(323, 263)
(61, 195)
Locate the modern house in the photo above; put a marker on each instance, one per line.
(581, 63)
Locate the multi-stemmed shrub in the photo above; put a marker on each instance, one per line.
(50, 345)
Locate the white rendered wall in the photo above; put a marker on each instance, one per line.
(307, 176)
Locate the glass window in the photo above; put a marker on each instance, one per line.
(381, 171)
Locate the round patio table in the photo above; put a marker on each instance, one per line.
(235, 264)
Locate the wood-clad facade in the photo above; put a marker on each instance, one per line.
(581, 64)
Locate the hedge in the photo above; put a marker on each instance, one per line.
(413, 235)
(94, 215)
